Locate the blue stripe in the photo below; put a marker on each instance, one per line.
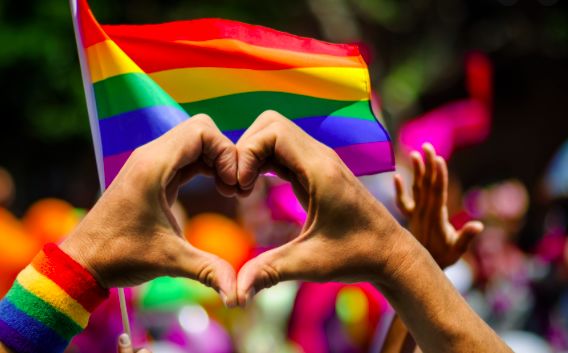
(14, 340)
(41, 338)
(334, 131)
(127, 131)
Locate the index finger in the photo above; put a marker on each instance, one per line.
(273, 138)
(198, 138)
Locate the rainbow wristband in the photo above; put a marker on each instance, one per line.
(50, 302)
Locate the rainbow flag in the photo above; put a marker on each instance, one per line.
(142, 80)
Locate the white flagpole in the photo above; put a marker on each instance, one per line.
(94, 122)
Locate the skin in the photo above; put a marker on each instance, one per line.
(131, 236)
(348, 235)
(428, 221)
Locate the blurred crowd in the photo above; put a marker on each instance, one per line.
(521, 292)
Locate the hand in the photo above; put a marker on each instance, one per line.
(347, 235)
(131, 236)
(125, 346)
(350, 236)
(427, 212)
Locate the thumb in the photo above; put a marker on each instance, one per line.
(266, 270)
(210, 270)
(124, 344)
(467, 233)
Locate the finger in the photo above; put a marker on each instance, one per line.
(272, 136)
(183, 176)
(466, 234)
(143, 350)
(124, 344)
(206, 268)
(418, 169)
(430, 168)
(194, 139)
(224, 189)
(284, 263)
(439, 192)
(402, 201)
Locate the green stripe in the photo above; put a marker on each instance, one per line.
(35, 307)
(123, 93)
(238, 111)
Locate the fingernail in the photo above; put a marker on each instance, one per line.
(124, 340)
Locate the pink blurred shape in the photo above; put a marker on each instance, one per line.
(283, 204)
(315, 303)
(105, 326)
(456, 124)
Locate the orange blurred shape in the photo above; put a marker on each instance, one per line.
(50, 220)
(220, 236)
(17, 249)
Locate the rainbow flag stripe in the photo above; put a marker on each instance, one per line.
(49, 303)
(146, 79)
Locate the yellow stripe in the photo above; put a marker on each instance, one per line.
(195, 84)
(106, 59)
(44, 288)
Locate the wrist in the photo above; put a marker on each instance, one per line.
(398, 251)
(49, 303)
(84, 253)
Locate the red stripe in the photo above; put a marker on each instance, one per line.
(70, 276)
(90, 30)
(155, 56)
(215, 28)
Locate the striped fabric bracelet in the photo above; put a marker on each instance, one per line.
(49, 303)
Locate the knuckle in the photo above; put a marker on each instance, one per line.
(270, 116)
(202, 119)
(139, 159)
(206, 276)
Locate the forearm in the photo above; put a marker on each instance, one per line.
(435, 313)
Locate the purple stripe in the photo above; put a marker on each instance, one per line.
(13, 340)
(40, 337)
(362, 159)
(129, 130)
(113, 164)
(368, 158)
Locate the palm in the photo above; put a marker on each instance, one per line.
(427, 212)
